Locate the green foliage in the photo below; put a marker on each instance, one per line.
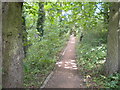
(62, 19)
(42, 54)
(43, 51)
(91, 58)
(91, 54)
(113, 81)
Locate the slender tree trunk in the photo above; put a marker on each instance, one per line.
(41, 19)
(12, 45)
(112, 64)
(106, 12)
(60, 19)
(24, 34)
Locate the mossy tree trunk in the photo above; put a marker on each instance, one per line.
(12, 45)
(112, 64)
(41, 18)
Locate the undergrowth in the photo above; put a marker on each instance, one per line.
(42, 56)
(90, 60)
(91, 56)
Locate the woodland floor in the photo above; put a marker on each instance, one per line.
(66, 72)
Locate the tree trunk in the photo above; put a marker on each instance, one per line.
(106, 12)
(41, 18)
(12, 45)
(119, 38)
(60, 18)
(24, 34)
(0, 45)
(112, 64)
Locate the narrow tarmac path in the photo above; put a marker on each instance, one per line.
(66, 72)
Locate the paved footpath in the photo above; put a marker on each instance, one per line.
(66, 73)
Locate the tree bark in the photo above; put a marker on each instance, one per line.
(41, 19)
(112, 64)
(12, 45)
(119, 39)
(0, 44)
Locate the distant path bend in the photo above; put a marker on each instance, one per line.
(66, 73)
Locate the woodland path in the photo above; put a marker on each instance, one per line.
(66, 73)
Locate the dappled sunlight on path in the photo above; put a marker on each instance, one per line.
(68, 65)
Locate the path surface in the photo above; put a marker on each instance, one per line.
(66, 73)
